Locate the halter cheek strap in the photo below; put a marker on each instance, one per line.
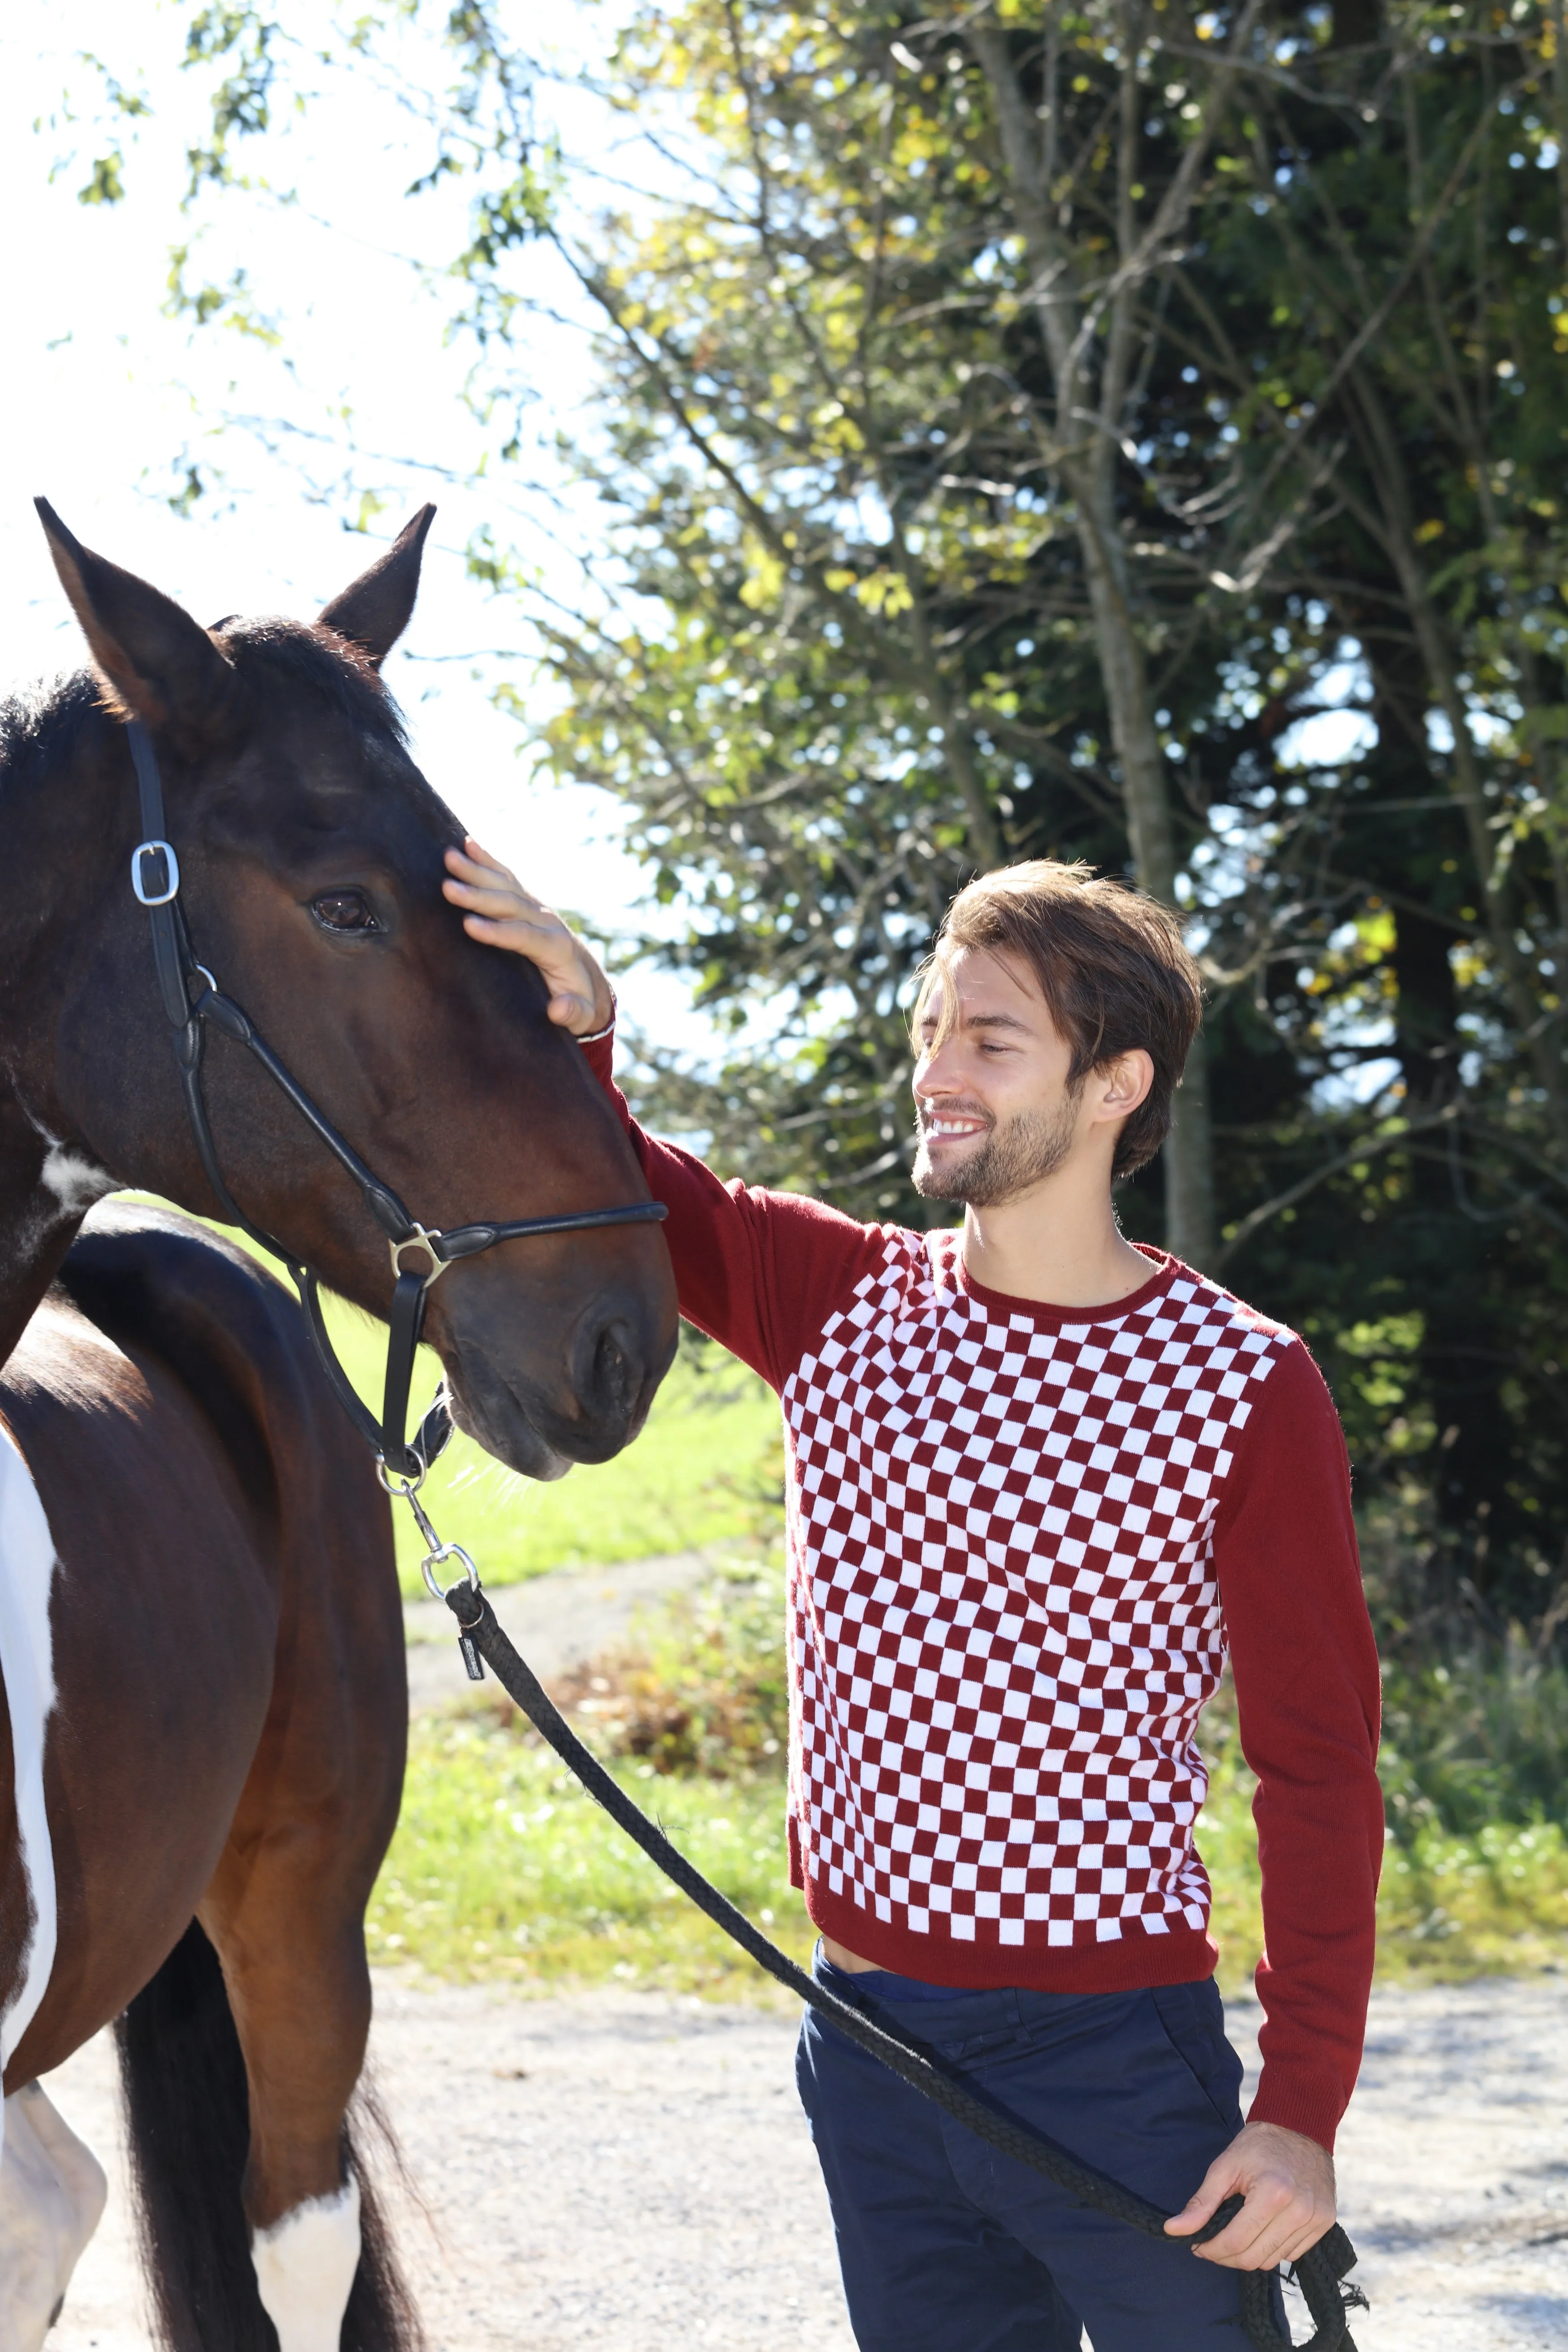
(195, 1003)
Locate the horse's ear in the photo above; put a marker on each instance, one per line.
(374, 612)
(161, 664)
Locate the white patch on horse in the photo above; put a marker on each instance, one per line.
(305, 2266)
(52, 2192)
(26, 1666)
(75, 1181)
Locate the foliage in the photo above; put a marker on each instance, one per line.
(707, 1691)
(1122, 429)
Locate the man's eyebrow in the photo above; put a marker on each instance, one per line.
(929, 1020)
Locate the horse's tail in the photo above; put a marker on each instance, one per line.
(188, 2115)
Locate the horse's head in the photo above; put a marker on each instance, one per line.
(311, 851)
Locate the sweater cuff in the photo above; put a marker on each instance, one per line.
(599, 1052)
(1311, 2104)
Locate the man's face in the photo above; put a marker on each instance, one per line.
(994, 1109)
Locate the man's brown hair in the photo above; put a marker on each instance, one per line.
(1110, 964)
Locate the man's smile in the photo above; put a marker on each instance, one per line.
(950, 1126)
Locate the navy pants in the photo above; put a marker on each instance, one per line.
(946, 2245)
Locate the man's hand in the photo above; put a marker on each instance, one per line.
(1288, 2183)
(501, 913)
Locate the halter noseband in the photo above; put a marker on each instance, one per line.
(419, 1254)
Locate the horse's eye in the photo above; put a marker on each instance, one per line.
(344, 910)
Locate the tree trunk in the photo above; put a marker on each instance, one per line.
(1090, 480)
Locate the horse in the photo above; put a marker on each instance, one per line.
(205, 1707)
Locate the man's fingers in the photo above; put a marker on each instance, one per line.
(478, 854)
(485, 900)
(1263, 2233)
(475, 868)
(509, 931)
(1287, 2184)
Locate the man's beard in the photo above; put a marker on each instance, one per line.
(1003, 1163)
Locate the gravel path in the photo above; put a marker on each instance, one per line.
(624, 2173)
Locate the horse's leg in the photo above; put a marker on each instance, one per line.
(286, 1912)
(299, 1991)
(52, 2192)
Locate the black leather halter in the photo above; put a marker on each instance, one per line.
(156, 879)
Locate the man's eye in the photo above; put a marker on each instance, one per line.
(344, 910)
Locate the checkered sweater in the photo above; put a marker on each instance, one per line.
(1021, 1540)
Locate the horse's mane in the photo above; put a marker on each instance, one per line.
(50, 720)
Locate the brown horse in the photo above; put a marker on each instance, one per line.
(204, 1709)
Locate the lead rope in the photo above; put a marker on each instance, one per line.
(1319, 2273)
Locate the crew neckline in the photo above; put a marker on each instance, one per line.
(1046, 1315)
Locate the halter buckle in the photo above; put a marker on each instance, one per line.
(418, 1240)
(154, 897)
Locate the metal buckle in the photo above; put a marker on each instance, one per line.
(171, 869)
(419, 1239)
(433, 1560)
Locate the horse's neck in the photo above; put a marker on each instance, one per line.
(51, 842)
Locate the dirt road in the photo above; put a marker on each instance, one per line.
(623, 2173)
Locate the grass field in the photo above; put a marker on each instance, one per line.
(503, 1868)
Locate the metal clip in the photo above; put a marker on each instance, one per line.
(165, 850)
(406, 1490)
(419, 1239)
(437, 1557)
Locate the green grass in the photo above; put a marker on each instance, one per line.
(502, 1868)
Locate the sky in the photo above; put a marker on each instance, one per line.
(105, 399)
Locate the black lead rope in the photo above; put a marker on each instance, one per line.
(1319, 2272)
(156, 879)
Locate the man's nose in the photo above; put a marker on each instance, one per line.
(935, 1076)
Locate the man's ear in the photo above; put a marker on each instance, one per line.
(1124, 1083)
(374, 612)
(159, 665)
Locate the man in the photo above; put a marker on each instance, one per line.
(1039, 1481)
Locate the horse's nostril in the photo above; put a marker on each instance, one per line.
(616, 1382)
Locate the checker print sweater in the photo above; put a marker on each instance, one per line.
(1022, 1541)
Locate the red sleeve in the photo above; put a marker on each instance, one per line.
(1307, 1694)
(760, 1271)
